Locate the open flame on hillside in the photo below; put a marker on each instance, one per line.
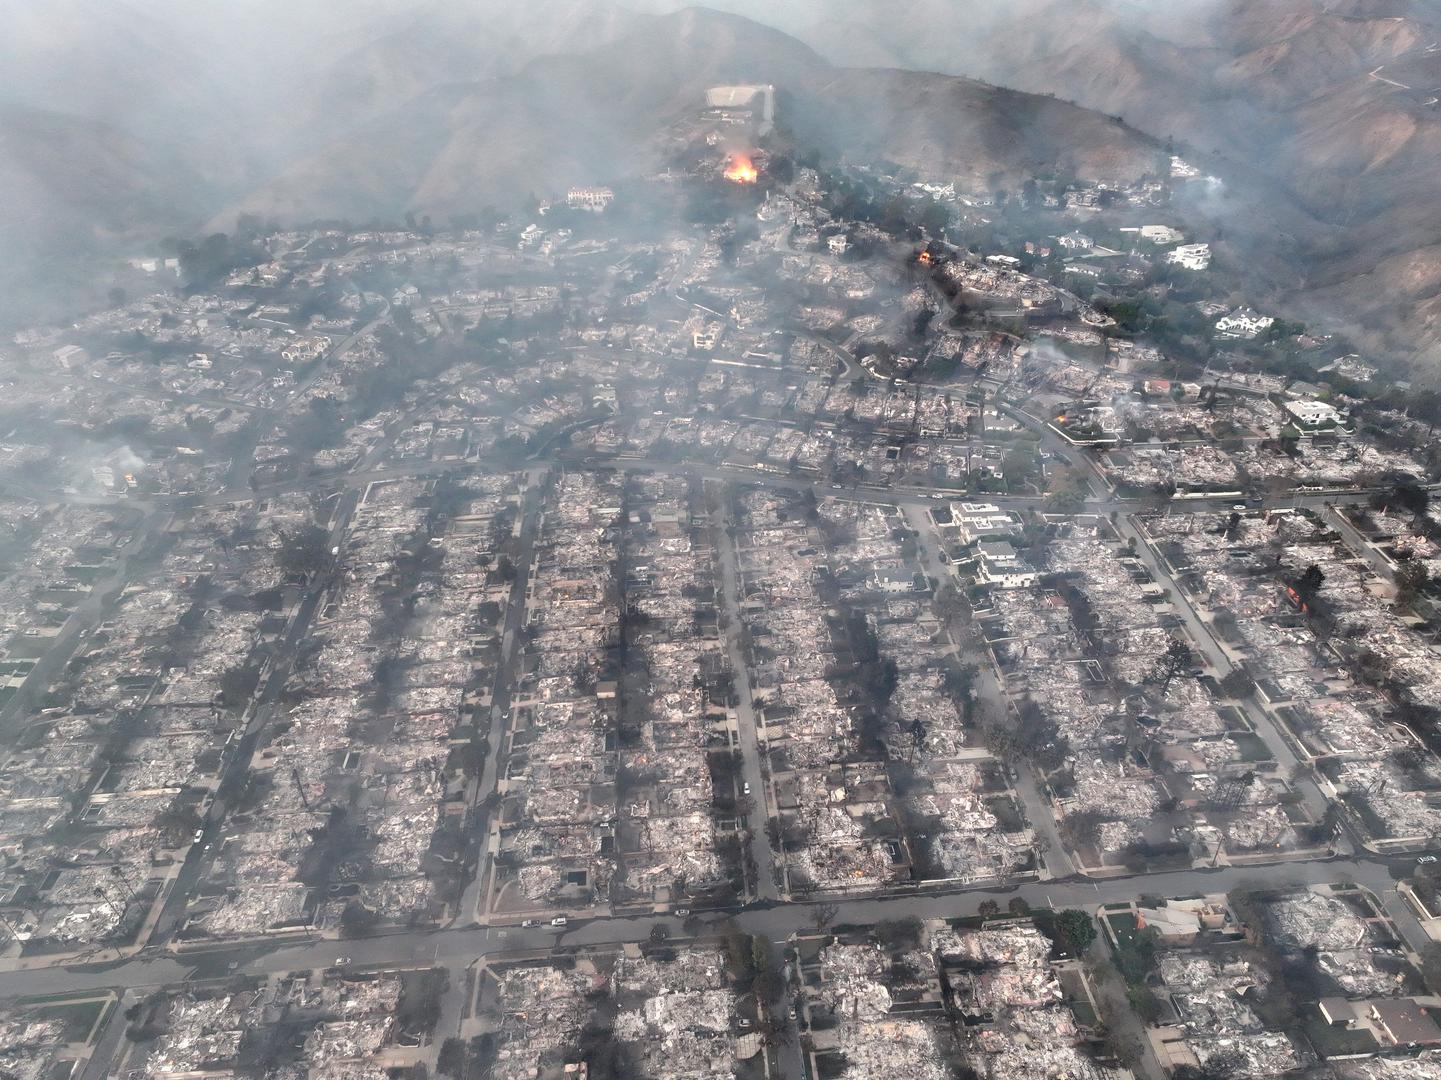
(740, 169)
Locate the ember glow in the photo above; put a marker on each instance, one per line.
(741, 170)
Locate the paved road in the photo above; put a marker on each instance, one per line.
(775, 920)
(102, 1054)
(1378, 562)
(1204, 637)
(758, 842)
(1038, 810)
(147, 546)
(470, 908)
(262, 712)
(1100, 502)
(242, 464)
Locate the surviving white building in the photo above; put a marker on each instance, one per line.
(594, 199)
(999, 564)
(1243, 323)
(1191, 256)
(1311, 415)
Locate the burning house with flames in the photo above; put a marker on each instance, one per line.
(740, 168)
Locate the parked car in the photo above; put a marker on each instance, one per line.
(559, 920)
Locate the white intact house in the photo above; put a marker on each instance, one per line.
(1243, 323)
(1157, 234)
(1001, 565)
(1313, 415)
(983, 521)
(898, 580)
(594, 199)
(1190, 256)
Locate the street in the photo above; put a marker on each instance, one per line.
(774, 919)
(758, 843)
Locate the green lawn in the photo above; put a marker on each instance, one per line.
(1337, 1042)
(1122, 924)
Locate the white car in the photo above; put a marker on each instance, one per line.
(559, 920)
(1425, 858)
(341, 961)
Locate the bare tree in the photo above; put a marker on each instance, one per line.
(823, 916)
(1176, 659)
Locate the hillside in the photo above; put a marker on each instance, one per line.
(591, 116)
(125, 186)
(127, 120)
(1320, 112)
(437, 42)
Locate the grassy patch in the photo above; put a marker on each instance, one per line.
(1331, 1041)
(1123, 925)
(1252, 747)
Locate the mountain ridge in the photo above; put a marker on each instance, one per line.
(552, 123)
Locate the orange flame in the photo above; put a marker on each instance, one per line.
(925, 258)
(741, 170)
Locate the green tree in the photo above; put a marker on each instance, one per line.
(237, 685)
(304, 551)
(451, 1059)
(177, 822)
(1411, 580)
(898, 934)
(1068, 491)
(760, 954)
(1019, 463)
(1076, 931)
(1431, 967)
(1237, 684)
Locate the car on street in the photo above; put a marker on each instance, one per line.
(1238, 506)
(746, 788)
(682, 912)
(341, 961)
(530, 922)
(1425, 858)
(199, 836)
(559, 920)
